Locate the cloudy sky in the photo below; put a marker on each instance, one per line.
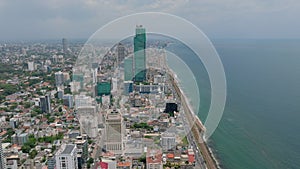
(54, 19)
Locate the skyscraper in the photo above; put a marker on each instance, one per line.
(128, 69)
(2, 162)
(65, 45)
(68, 100)
(66, 157)
(121, 53)
(45, 103)
(59, 78)
(114, 132)
(88, 119)
(140, 54)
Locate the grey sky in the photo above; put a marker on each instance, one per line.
(43, 19)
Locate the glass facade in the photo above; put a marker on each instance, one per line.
(103, 88)
(128, 69)
(140, 54)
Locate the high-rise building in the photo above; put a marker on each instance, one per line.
(51, 162)
(78, 77)
(140, 54)
(19, 138)
(66, 157)
(45, 103)
(82, 146)
(66, 77)
(103, 88)
(31, 66)
(60, 93)
(65, 45)
(88, 120)
(114, 132)
(168, 141)
(128, 87)
(121, 53)
(2, 160)
(59, 78)
(128, 69)
(83, 100)
(68, 100)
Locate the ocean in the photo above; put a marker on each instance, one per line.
(260, 127)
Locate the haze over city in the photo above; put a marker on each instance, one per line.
(33, 19)
(161, 84)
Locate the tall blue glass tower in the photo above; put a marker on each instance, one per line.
(140, 54)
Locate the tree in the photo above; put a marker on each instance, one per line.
(33, 153)
(27, 105)
(89, 162)
(25, 148)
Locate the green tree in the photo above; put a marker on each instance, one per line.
(27, 105)
(25, 148)
(33, 153)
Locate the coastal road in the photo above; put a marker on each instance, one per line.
(200, 163)
(195, 126)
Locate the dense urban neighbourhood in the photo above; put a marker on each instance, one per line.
(122, 112)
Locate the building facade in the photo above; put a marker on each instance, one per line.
(2, 160)
(128, 69)
(140, 54)
(65, 45)
(31, 66)
(66, 157)
(45, 103)
(114, 132)
(88, 119)
(168, 141)
(103, 88)
(68, 100)
(121, 53)
(59, 78)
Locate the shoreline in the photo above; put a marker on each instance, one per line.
(198, 128)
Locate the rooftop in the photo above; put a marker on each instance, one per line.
(68, 149)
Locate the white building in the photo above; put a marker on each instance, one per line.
(88, 119)
(114, 132)
(59, 78)
(2, 160)
(31, 66)
(168, 141)
(82, 100)
(66, 157)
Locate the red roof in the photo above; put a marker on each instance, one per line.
(170, 155)
(154, 156)
(102, 165)
(3, 133)
(124, 164)
(191, 158)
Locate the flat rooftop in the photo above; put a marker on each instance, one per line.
(68, 149)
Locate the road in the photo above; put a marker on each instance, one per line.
(198, 157)
(196, 128)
